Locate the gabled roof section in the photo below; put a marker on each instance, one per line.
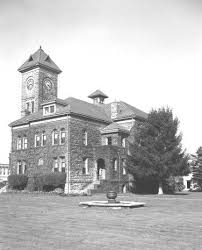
(72, 106)
(125, 111)
(114, 128)
(39, 58)
(97, 93)
(87, 109)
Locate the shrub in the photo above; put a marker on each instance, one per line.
(172, 185)
(47, 182)
(17, 181)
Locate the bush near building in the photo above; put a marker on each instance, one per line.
(46, 182)
(17, 181)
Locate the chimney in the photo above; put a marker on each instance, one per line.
(114, 110)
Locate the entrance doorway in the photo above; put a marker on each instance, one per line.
(101, 171)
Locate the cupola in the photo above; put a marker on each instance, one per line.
(98, 97)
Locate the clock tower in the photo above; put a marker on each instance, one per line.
(39, 81)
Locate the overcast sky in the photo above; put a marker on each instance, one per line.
(144, 52)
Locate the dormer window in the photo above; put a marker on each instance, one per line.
(48, 110)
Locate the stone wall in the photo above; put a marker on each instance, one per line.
(32, 154)
(39, 92)
(79, 151)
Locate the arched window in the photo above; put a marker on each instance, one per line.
(19, 143)
(115, 164)
(55, 137)
(62, 136)
(37, 140)
(43, 139)
(85, 169)
(85, 137)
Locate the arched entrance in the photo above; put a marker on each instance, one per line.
(101, 171)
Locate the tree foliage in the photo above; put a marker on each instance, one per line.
(197, 169)
(157, 149)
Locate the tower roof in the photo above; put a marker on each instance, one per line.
(97, 93)
(39, 58)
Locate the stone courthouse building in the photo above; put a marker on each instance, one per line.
(90, 141)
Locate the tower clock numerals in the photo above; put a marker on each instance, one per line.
(48, 83)
(30, 83)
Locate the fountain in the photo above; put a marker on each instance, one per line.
(111, 202)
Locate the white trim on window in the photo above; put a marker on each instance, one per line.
(24, 145)
(49, 109)
(19, 143)
(37, 140)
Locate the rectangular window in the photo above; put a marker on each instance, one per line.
(46, 110)
(123, 142)
(24, 167)
(19, 170)
(19, 143)
(62, 137)
(124, 166)
(55, 138)
(85, 169)
(85, 138)
(55, 165)
(43, 140)
(32, 106)
(24, 142)
(62, 164)
(109, 140)
(27, 106)
(52, 109)
(37, 140)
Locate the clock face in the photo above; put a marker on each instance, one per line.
(30, 83)
(48, 83)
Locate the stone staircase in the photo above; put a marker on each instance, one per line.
(3, 189)
(101, 186)
(92, 186)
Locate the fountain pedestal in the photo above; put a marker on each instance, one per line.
(112, 203)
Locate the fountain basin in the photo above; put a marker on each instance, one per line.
(118, 204)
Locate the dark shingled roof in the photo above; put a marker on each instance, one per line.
(126, 111)
(39, 58)
(113, 128)
(97, 93)
(75, 106)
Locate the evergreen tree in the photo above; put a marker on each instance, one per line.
(157, 149)
(197, 169)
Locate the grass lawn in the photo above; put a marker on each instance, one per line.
(37, 221)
